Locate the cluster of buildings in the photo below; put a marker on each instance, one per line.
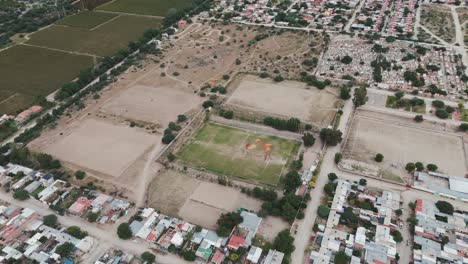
(454, 187)
(329, 14)
(115, 256)
(24, 237)
(169, 234)
(384, 16)
(439, 237)
(61, 195)
(23, 116)
(371, 240)
(437, 66)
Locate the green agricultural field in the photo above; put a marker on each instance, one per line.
(239, 153)
(102, 41)
(28, 73)
(86, 19)
(145, 7)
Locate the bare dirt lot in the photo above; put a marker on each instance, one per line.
(194, 200)
(102, 147)
(402, 143)
(287, 98)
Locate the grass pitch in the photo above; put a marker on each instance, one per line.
(28, 73)
(223, 150)
(86, 19)
(102, 41)
(145, 7)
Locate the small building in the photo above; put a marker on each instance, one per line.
(79, 206)
(273, 257)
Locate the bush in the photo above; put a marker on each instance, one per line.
(278, 78)
(431, 167)
(362, 182)
(181, 118)
(92, 217)
(168, 138)
(308, 139)
(346, 59)
(438, 104)
(441, 113)
(338, 157)
(226, 77)
(419, 166)
(445, 207)
(207, 104)
(463, 127)
(80, 175)
(264, 75)
(124, 231)
(332, 177)
(418, 118)
(345, 93)
(379, 157)
(76, 232)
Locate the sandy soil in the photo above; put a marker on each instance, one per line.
(287, 98)
(271, 226)
(159, 105)
(103, 147)
(405, 144)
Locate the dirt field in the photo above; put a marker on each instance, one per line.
(438, 19)
(194, 200)
(401, 144)
(102, 147)
(287, 98)
(159, 105)
(239, 153)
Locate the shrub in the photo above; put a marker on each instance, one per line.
(80, 175)
(332, 177)
(181, 118)
(278, 78)
(441, 113)
(438, 104)
(21, 195)
(207, 104)
(463, 127)
(431, 167)
(419, 166)
(338, 157)
(418, 118)
(308, 139)
(410, 167)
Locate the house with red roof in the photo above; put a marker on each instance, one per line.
(235, 242)
(79, 206)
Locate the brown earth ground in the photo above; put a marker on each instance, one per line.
(404, 142)
(151, 94)
(201, 202)
(287, 98)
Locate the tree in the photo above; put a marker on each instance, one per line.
(329, 189)
(399, 212)
(21, 195)
(463, 127)
(65, 249)
(438, 104)
(445, 207)
(346, 59)
(292, 180)
(396, 235)
(379, 157)
(278, 78)
(181, 118)
(431, 167)
(338, 157)
(308, 139)
(331, 136)
(226, 222)
(341, 258)
(76, 231)
(332, 177)
(410, 167)
(124, 231)
(441, 113)
(208, 104)
(399, 95)
(323, 211)
(419, 166)
(418, 118)
(362, 182)
(50, 220)
(345, 93)
(80, 175)
(284, 242)
(360, 97)
(92, 217)
(148, 257)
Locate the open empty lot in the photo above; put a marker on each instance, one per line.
(287, 98)
(102, 147)
(196, 201)
(239, 153)
(401, 143)
(159, 105)
(30, 72)
(145, 7)
(104, 40)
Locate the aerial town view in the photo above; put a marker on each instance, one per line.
(233, 131)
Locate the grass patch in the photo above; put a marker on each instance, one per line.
(29, 73)
(145, 7)
(102, 41)
(464, 115)
(223, 150)
(392, 177)
(390, 102)
(405, 104)
(86, 19)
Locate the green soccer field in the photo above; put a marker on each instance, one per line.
(28, 73)
(104, 40)
(239, 153)
(86, 19)
(145, 7)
